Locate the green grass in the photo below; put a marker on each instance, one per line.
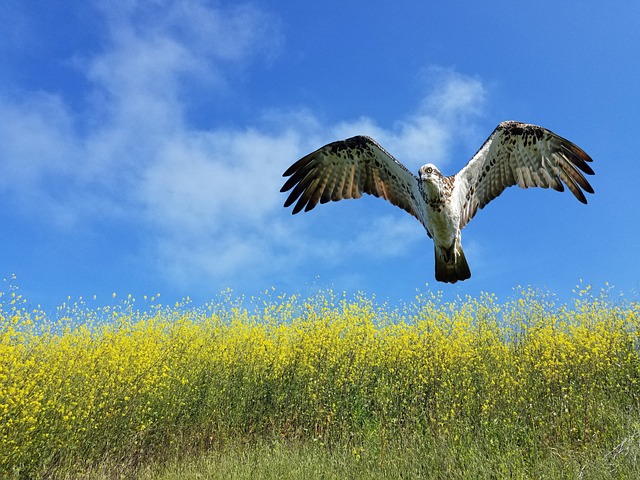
(394, 458)
(322, 387)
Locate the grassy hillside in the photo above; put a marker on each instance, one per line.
(472, 388)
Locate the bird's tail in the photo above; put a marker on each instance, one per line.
(451, 264)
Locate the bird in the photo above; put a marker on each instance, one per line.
(515, 153)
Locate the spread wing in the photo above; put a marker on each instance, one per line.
(522, 154)
(347, 169)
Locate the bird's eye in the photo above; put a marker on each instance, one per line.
(429, 169)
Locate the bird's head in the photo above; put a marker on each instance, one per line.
(431, 179)
(429, 173)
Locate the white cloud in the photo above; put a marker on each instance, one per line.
(205, 181)
(36, 134)
(454, 97)
(389, 236)
(208, 201)
(443, 117)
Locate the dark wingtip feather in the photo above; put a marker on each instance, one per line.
(558, 186)
(577, 192)
(587, 169)
(588, 188)
(296, 166)
(578, 157)
(298, 206)
(582, 165)
(288, 185)
(290, 199)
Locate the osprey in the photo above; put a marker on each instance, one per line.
(515, 153)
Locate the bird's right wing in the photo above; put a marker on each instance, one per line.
(347, 169)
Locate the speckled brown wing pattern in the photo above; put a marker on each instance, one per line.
(525, 155)
(347, 169)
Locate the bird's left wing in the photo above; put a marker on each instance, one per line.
(347, 169)
(522, 154)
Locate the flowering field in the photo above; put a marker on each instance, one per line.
(126, 384)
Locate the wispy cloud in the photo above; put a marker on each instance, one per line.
(442, 117)
(207, 200)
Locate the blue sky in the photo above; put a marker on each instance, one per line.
(142, 143)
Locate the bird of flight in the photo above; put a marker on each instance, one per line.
(515, 153)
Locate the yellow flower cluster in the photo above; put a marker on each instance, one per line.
(125, 382)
